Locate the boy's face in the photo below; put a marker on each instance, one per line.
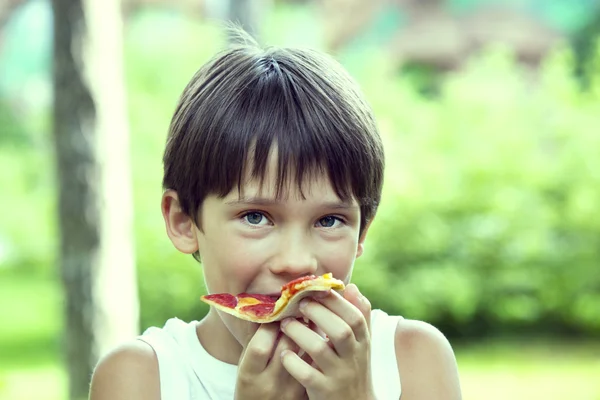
(252, 242)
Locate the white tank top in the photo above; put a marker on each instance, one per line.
(188, 372)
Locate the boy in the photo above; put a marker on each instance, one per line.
(273, 170)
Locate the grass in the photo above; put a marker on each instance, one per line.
(30, 311)
(48, 382)
(530, 369)
(30, 366)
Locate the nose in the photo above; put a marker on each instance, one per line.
(294, 256)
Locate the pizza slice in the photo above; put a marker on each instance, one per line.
(261, 308)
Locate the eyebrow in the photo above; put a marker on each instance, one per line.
(262, 201)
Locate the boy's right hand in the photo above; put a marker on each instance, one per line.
(261, 374)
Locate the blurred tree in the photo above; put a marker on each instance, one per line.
(343, 20)
(12, 131)
(188, 7)
(248, 14)
(7, 7)
(93, 168)
(429, 36)
(585, 44)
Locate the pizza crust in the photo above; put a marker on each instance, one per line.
(286, 306)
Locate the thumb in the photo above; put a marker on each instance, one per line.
(354, 296)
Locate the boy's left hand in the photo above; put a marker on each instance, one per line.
(341, 368)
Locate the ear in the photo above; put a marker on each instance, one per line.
(360, 248)
(180, 226)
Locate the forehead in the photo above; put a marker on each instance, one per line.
(280, 179)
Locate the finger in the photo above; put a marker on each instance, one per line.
(293, 388)
(284, 344)
(314, 345)
(257, 353)
(338, 331)
(321, 295)
(318, 330)
(355, 297)
(303, 372)
(354, 309)
(322, 334)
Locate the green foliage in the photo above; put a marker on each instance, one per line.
(13, 133)
(162, 54)
(27, 223)
(488, 219)
(489, 213)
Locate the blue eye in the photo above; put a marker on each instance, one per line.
(327, 222)
(254, 218)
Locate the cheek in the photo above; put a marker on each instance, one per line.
(339, 259)
(230, 266)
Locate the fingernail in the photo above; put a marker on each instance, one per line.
(359, 296)
(351, 288)
(303, 303)
(285, 322)
(364, 300)
(358, 293)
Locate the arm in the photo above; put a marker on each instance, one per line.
(426, 363)
(129, 372)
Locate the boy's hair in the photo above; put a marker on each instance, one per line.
(246, 100)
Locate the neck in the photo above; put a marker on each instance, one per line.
(218, 340)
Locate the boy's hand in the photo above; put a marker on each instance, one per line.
(341, 368)
(261, 374)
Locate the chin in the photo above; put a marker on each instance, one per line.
(241, 330)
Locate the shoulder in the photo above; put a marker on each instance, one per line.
(128, 372)
(426, 362)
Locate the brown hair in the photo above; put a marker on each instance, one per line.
(248, 99)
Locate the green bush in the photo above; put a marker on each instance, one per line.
(162, 54)
(489, 216)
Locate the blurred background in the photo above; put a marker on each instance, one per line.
(488, 229)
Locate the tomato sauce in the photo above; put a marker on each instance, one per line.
(260, 310)
(291, 285)
(224, 299)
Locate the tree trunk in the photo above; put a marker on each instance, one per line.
(94, 203)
